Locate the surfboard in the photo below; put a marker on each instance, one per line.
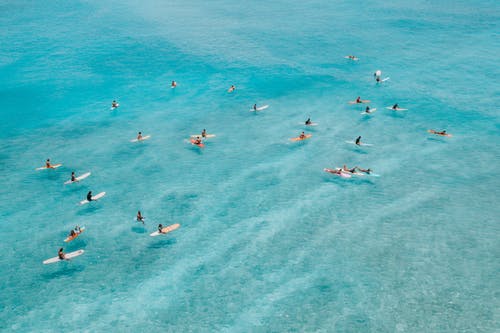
(145, 137)
(334, 172)
(300, 139)
(115, 107)
(311, 124)
(70, 238)
(94, 198)
(398, 109)
(355, 173)
(362, 101)
(371, 111)
(383, 80)
(436, 133)
(53, 166)
(68, 256)
(353, 59)
(360, 144)
(165, 230)
(207, 136)
(193, 142)
(260, 108)
(81, 177)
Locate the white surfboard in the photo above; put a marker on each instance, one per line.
(165, 230)
(260, 108)
(354, 59)
(81, 177)
(115, 107)
(398, 109)
(67, 256)
(383, 80)
(207, 136)
(94, 198)
(145, 137)
(311, 124)
(371, 111)
(360, 144)
(53, 166)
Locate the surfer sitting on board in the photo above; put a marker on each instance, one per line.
(140, 218)
(358, 141)
(358, 100)
(204, 133)
(255, 107)
(60, 254)
(308, 121)
(73, 177)
(160, 226)
(89, 196)
(114, 104)
(197, 141)
(302, 135)
(47, 164)
(367, 110)
(139, 136)
(438, 133)
(395, 106)
(173, 84)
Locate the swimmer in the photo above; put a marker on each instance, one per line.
(139, 136)
(89, 196)
(114, 104)
(140, 218)
(173, 84)
(160, 226)
(204, 133)
(395, 106)
(308, 121)
(231, 89)
(302, 135)
(358, 141)
(61, 254)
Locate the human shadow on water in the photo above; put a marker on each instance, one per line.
(359, 149)
(139, 229)
(436, 139)
(88, 210)
(162, 243)
(63, 271)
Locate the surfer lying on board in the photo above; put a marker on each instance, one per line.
(367, 171)
(75, 231)
(302, 135)
(197, 141)
(351, 57)
(231, 89)
(140, 218)
(308, 121)
(61, 254)
(438, 133)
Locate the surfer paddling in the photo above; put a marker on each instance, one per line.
(140, 218)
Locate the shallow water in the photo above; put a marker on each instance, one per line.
(268, 241)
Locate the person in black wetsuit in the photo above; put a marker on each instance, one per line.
(60, 254)
(73, 178)
(308, 121)
(358, 141)
(89, 196)
(160, 226)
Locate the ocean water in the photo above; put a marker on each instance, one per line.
(268, 241)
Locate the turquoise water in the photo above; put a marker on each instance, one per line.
(268, 241)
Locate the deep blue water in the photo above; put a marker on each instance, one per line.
(268, 241)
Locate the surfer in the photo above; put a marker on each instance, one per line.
(231, 89)
(47, 164)
(114, 104)
(345, 168)
(358, 100)
(140, 218)
(160, 227)
(351, 57)
(438, 133)
(395, 106)
(255, 107)
(73, 177)
(139, 136)
(89, 196)
(302, 135)
(204, 133)
(197, 141)
(61, 254)
(367, 110)
(173, 84)
(358, 141)
(308, 121)
(367, 171)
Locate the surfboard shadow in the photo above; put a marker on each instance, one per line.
(63, 271)
(162, 244)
